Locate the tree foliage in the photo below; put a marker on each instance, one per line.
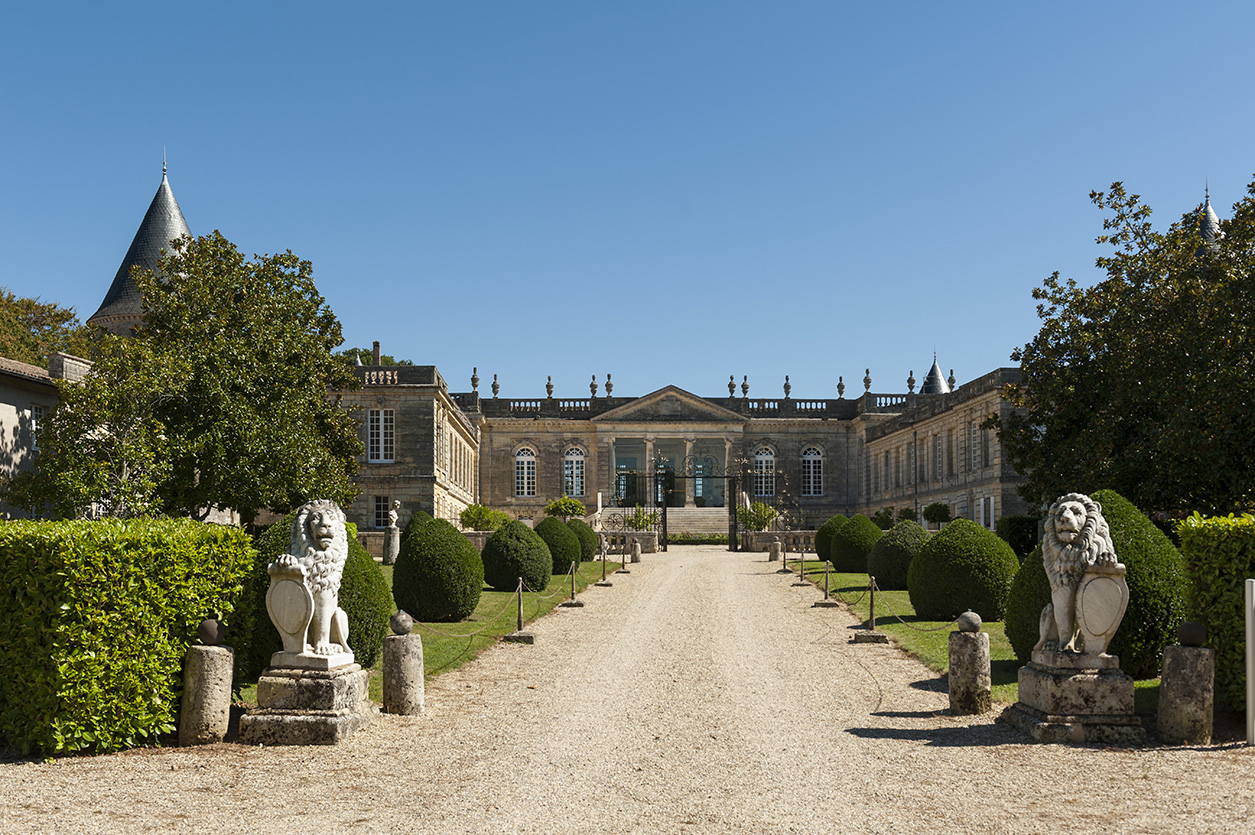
(566, 508)
(349, 356)
(1143, 382)
(31, 330)
(221, 398)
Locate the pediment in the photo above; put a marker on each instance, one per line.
(668, 405)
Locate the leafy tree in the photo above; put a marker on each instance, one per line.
(476, 517)
(937, 513)
(883, 518)
(566, 507)
(367, 356)
(1143, 382)
(31, 330)
(907, 514)
(219, 399)
(756, 517)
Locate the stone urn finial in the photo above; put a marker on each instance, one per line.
(840, 387)
(731, 385)
(787, 387)
(609, 385)
(475, 379)
(867, 380)
(592, 387)
(496, 387)
(910, 382)
(951, 381)
(745, 386)
(549, 386)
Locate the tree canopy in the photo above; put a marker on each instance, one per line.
(31, 330)
(367, 356)
(1144, 382)
(220, 399)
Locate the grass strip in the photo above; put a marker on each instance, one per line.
(896, 617)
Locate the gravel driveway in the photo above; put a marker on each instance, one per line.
(702, 693)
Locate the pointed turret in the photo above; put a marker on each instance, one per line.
(1208, 225)
(935, 382)
(122, 310)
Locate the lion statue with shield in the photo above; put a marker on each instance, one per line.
(303, 600)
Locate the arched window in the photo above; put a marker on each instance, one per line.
(812, 472)
(573, 472)
(525, 472)
(764, 472)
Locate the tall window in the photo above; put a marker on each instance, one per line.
(573, 472)
(37, 417)
(986, 458)
(382, 505)
(381, 436)
(812, 472)
(764, 472)
(937, 458)
(525, 472)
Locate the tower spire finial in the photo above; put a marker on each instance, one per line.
(163, 160)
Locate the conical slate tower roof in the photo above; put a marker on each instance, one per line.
(935, 382)
(1209, 225)
(122, 309)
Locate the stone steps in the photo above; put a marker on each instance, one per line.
(697, 520)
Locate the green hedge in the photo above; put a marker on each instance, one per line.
(1158, 591)
(963, 566)
(95, 618)
(438, 575)
(1020, 532)
(851, 544)
(587, 537)
(513, 551)
(563, 544)
(823, 536)
(891, 556)
(1219, 555)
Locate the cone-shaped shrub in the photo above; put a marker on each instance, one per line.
(1158, 589)
(438, 576)
(420, 518)
(563, 544)
(963, 566)
(515, 551)
(823, 536)
(891, 556)
(587, 537)
(852, 542)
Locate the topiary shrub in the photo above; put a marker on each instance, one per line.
(438, 575)
(823, 536)
(852, 543)
(587, 537)
(891, 556)
(420, 518)
(566, 507)
(515, 551)
(1158, 591)
(364, 597)
(563, 544)
(963, 566)
(1020, 532)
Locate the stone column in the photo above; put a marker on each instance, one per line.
(1186, 691)
(403, 685)
(206, 707)
(969, 677)
(690, 484)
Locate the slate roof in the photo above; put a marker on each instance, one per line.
(25, 371)
(1209, 224)
(122, 308)
(935, 382)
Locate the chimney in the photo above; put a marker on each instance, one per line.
(376, 352)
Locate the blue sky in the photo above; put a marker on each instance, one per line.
(669, 192)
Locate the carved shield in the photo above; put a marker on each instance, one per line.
(1101, 600)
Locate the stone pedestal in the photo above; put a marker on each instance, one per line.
(1075, 697)
(308, 707)
(773, 551)
(206, 708)
(969, 677)
(636, 552)
(1186, 695)
(403, 685)
(391, 545)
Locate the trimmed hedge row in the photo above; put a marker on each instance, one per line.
(851, 544)
(587, 537)
(823, 536)
(564, 546)
(438, 575)
(95, 618)
(963, 566)
(891, 556)
(1220, 554)
(513, 551)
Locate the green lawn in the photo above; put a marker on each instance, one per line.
(929, 641)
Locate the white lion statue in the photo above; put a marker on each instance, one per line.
(1077, 539)
(316, 556)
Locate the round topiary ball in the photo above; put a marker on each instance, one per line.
(563, 544)
(1158, 589)
(587, 537)
(963, 566)
(823, 536)
(515, 551)
(420, 518)
(438, 575)
(366, 599)
(891, 556)
(851, 544)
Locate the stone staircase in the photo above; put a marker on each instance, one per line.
(697, 520)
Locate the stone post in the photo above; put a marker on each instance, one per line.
(403, 685)
(636, 551)
(391, 544)
(206, 708)
(773, 551)
(1187, 689)
(970, 681)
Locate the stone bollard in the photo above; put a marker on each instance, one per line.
(391, 545)
(1187, 689)
(403, 685)
(970, 680)
(206, 709)
(773, 551)
(636, 551)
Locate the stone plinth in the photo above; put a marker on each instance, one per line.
(206, 708)
(1186, 695)
(391, 545)
(969, 677)
(1073, 704)
(403, 686)
(308, 707)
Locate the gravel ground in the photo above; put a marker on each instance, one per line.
(702, 693)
